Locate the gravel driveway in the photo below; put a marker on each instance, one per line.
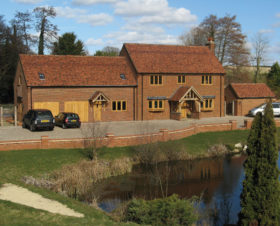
(117, 128)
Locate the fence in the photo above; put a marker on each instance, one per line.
(8, 115)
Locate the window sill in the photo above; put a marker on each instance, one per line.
(156, 110)
(205, 110)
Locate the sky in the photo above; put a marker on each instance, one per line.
(100, 23)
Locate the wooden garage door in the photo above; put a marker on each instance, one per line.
(52, 106)
(79, 107)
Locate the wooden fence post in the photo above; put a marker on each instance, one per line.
(15, 115)
(1, 116)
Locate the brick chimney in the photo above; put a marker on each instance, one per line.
(211, 44)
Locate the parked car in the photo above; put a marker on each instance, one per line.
(38, 119)
(260, 108)
(67, 119)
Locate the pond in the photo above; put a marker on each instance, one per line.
(217, 181)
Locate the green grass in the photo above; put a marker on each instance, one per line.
(16, 164)
(195, 145)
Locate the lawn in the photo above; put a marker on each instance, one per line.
(16, 164)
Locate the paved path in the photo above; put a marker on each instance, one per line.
(23, 196)
(117, 128)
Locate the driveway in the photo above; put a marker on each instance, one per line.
(116, 128)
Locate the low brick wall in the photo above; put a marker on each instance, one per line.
(110, 140)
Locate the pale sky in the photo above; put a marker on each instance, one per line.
(100, 23)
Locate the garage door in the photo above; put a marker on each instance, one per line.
(79, 107)
(52, 106)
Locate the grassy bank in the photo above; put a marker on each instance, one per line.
(17, 164)
(196, 145)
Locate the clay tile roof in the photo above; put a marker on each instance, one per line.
(179, 93)
(251, 90)
(148, 58)
(76, 70)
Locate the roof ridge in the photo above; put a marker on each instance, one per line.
(159, 44)
(74, 56)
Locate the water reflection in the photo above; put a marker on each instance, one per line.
(215, 180)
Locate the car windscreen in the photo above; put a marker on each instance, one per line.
(43, 114)
(74, 116)
(261, 105)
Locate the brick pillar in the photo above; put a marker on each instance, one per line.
(233, 124)
(164, 134)
(248, 123)
(110, 139)
(44, 142)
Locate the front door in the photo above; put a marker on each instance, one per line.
(184, 110)
(97, 111)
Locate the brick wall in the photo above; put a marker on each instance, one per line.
(170, 85)
(242, 106)
(119, 141)
(84, 93)
(247, 104)
(20, 83)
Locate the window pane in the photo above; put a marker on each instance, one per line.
(183, 79)
(156, 104)
(179, 79)
(150, 104)
(210, 103)
(160, 104)
(202, 81)
(124, 105)
(201, 104)
(156, 79)
(206, 103)
(114, 106)
(206, 79)
(210, 79)
(119, 106)
(152, 79)
(160, 80)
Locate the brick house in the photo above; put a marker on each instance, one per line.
(144, 82)
(240, 98)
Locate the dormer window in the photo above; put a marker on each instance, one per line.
(123, 76)
(41, 76)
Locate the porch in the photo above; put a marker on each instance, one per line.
(185, 103)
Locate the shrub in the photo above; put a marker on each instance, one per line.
(167, 211)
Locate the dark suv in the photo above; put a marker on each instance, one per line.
(38, 119)
(67, 119)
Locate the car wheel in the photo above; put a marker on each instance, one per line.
(64, 126)
(32, 127)
(51, 128)
(23, 125)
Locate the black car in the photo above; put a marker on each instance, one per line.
(38, 119)
(67, 119)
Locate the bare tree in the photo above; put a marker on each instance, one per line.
(108, 51)
(48, 31)
(230, 41)
(195, 37)
(260, 45)
(94, 134)
(22, 21)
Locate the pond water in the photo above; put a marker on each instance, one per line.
(217, 181)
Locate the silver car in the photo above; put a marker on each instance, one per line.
(260, 108)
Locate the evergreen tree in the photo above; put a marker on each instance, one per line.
(260, 197)
(273, 77)
(47, 30)
(68, 45)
